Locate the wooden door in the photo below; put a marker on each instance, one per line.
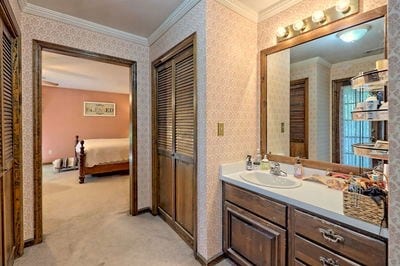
(299, 118)
(164, 139)
(7, 150)
(176, 123)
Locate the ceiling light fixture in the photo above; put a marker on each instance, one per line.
(353, 35)
(318, 16)
(343, 6)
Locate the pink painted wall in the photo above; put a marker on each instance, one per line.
(62, 116)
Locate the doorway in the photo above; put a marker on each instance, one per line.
(38, 48)
(299, 118)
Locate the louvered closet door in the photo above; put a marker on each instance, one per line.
(176, 140)
(7, 156)
(164, 138)
(184, 138)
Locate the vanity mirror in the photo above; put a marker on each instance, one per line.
(306, 92)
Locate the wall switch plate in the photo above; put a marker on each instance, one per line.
(282, 127)
(220, 132)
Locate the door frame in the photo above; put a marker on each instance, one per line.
(189, 41)
(38, 47)
(10, 22)
(306, 109)
(335, 142)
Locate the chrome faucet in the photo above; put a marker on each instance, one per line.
(276, 169)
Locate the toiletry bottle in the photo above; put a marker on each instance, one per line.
(265, 163)
(249, 163)
(257, 160)
(298, 169)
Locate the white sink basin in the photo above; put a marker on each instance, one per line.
(268, 180)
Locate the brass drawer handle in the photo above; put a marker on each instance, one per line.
(330, 235)
(328, 262)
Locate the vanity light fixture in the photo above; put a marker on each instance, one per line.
(342, 6)
(281, 32)
(299, 25)
(319, 18)
(353, 35)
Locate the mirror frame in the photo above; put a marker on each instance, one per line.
(334, 27)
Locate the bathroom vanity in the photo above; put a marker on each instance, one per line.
(297, 226)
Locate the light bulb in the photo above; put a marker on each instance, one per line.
(318, 16)
(298, 25)
(281, 32)
(343, 6)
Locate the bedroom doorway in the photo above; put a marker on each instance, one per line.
(108, 107)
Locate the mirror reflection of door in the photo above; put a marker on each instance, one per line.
(347, 131)
(299, 118)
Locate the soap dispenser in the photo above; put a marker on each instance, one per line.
(249, 163)
(257, 160)
(298, 169)
(265, 163)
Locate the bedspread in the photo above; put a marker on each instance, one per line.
(103, 151)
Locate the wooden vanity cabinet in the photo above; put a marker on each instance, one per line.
(260, 231)
(251, 239)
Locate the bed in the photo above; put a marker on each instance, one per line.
(97, 156)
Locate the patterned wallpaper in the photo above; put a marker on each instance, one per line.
(231, 99)
(323, 140)
(39, 28)
(278, 108)
(394, 136)
(354, 67)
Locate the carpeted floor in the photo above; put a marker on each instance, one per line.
(89, 225)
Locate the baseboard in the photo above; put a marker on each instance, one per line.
(144, 210)
(29, 242)
(212, 261)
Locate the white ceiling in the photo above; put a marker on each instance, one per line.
(334, 50)
(139, 17)
(77, 73)
(259, 5)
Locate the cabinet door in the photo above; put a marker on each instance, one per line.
(250, 240)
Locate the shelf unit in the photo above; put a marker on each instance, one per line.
(374, 82)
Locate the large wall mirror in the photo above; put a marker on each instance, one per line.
(306, 95)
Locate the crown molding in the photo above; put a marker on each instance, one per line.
(240, 8)
(82, 23)
(276, 8)
(175, 16)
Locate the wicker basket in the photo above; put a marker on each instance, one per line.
(364, 208)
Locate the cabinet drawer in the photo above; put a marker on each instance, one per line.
(261, 206)
(313, 254)
(251, 240)
(361, 248)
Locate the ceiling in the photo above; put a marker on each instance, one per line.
(139, 17)
(334, 50)
(77, 73)
(259, 5)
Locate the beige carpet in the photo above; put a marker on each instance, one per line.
(89, 225)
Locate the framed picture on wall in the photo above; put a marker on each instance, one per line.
(98, 109)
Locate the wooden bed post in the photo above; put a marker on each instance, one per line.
(82, 163)
(76, 154)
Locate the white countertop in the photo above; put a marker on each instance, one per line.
(309, 196)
